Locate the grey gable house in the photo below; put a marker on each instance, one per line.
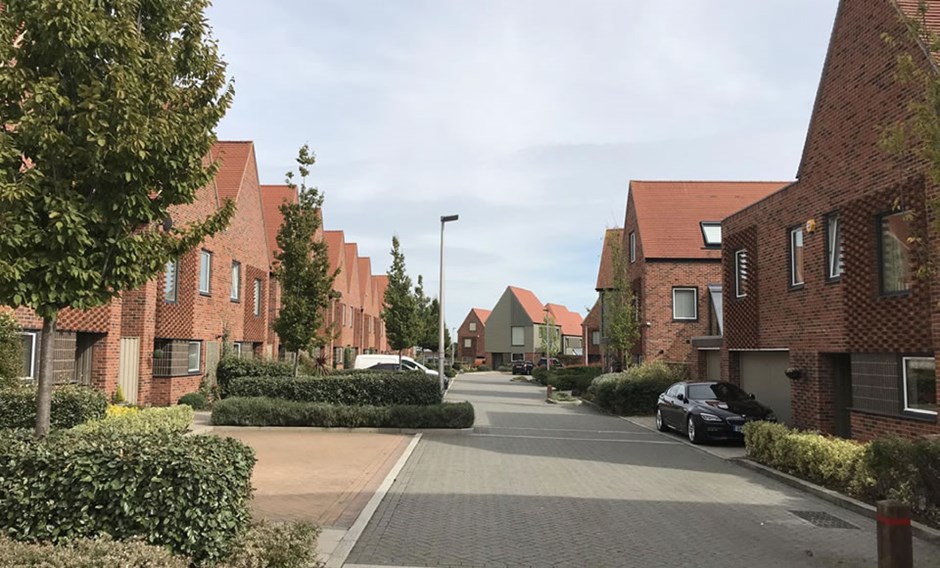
(512, 330)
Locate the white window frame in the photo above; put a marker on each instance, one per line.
(835, 266)
(31, 372)
(595, 337)
(705, 226)
(473, 326)
(694, 291)
(512, 332)
(632, 239)
(205, 272)
(904, 361)
(258, 292)
(171, 279)
(236, 292)
(793, 276)
(237, 349)
(189, 368)
(740, 273)
(467, 343)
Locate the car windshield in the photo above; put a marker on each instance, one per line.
(717, 391)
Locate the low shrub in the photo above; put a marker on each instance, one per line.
(576, 379)
(172, 420)
(450, 372)
(195, 400)
(115, 410)
(272, 412)
(231, 368)
(276, 545)
(378, 388)
(634, 391)
(486, 368)
(11, 351)
(71, 405)
(504, 368)
(87, 553)
(540, 374)
(188, 493)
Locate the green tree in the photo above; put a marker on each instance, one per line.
(426, 333)
(400, 313)
(107, 113)
(620, 314)
(303, 266)
(11, 351)
(432, 329)
(549, 336)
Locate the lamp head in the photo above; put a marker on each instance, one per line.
(449, 218)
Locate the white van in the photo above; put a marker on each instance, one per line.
(407, 363)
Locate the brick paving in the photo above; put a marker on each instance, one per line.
(554, 485)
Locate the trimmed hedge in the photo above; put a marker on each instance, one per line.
(367, 388)
(188, 493)
(272, 412)
(71, 405)
(129, 420)
(87, 553)
(276, 545)
(634, 391)
(577, 378)
(540, 374)
(195, 400)
(231, 368)
(11, 351)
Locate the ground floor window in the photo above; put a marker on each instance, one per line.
(29, 351)
(920, 384)
(176, 357)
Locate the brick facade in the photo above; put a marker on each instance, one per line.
(476, 337)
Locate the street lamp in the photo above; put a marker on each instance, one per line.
(440, 342)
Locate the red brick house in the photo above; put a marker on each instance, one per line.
(591, 335)
(471, 337)
(604, 284)
(672, 243)
(824, 314)
(569, 324)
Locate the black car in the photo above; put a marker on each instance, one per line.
(556, 364)
(708, 411)
(522, 367)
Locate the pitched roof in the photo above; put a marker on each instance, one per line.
(233, 157)
(380, 281)
(530, 303)
(605, 273)
(668, 213)
(594, 316)
(930, 19)
(570, 322)
(365, 276)
(482, 314)
(352, 266)
(335, 241)
(272, 196)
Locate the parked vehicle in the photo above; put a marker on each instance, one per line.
(407, 363)
(522, 367)
(556, 364)
(708, 411)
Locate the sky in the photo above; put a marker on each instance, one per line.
(527, 118)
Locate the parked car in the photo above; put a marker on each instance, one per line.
(408, 364)
(555, 362)
(386, 367)
(522, 367)
(708, 410)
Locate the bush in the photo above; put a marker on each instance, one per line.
(87, 553)
(271, 412)
(486, 368)
(450, 372)
(71, 405)
(195, 400)
(634, 391)
(276, 545)
(540, 374)
(11, 351)
(231, 368)
(576, 379)
(372, 387)
(504, 368)
(189, 493)
(129, 420)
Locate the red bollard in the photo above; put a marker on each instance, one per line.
(895, 539)
(548, 392)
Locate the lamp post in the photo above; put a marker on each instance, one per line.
(440, 342)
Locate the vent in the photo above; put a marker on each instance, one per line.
(824, 520)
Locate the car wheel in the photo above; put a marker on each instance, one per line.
(694, 435)
(660, 423)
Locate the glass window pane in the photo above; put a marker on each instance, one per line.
(205, 269)
(920, 384)
(711, 233)
(473, 326)
(193, 359)
(518, 336)
(257, 297)
(684, 303)
(895, 253)
(236, 280)
(740, 273)
(796, 256)
(170, 279)
(632, 247)
(468, 343)
(834, 247)
(28, 354)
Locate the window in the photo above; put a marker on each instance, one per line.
(518, 336)
(834, 267)
(796, 257)
(468, 343)
(257, 297)
(205, 272)
(633, 246)
(193, 358)
(895, 253)
(595, 338)
(473, 326)
(236, 281)
(685, 304)
(29, 354)
(237, 350)
(920, 384)
(176, 357)
(711, 233)
(740, 273)
(171, 280)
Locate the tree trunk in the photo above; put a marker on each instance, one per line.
(296, 362)
(44, 389)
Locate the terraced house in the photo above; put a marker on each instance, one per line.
(471, 337)
(825, 313)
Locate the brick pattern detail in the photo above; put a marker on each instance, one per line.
(477, 339)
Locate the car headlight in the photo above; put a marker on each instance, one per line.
(709, 417)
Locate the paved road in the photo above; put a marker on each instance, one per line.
(552, 485)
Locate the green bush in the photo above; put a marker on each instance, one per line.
(71, 405)
(576, 379)
(231, 368)
(87, 553)
(272, 412)
(540, 374)
(634, 391)
(504, 368)
(450, 372)
(486, 368)
(376, 388)
(195, 400)
(172, 420)
(276, 545)
(11, 351)
(188, 493)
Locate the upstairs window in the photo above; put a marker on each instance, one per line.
(834, 266)
(633, 247)
(711, 233)
(595, 338)
(205, 272)
(518, 336)
(895, 252)
(257, 306)
(740, 273)
(236, 281)
(796, 257)
(685, 304)
(28, 354)
(473, 326)
(171, 280)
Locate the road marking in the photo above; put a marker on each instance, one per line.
(569, 430)
(620, 440)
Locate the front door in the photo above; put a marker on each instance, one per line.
(842, 394)
(84, 348)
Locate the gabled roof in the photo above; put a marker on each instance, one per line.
(335, 243)
(529, 302)
(605, 273)
(669, 213)
(365, 277)
(272, 196)
(352, 266)
(930, 19)
(233, 157)
(594, 316)
(568, 321)
(482, 314)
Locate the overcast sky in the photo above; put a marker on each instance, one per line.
(525, 117)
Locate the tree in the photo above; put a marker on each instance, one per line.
(620, 314)
(11, 351)
(400, 313)
(432, 330)
(549, 336)
(426, 333)
(108, 111)
(303, 266)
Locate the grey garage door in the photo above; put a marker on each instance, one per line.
(762, 373)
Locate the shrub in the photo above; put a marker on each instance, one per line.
(71, 405)
(196, 400)
(129, 420)
(635, 390)
(504, 368)
(576, 379)
(115, 410)
(540, 374)
(87, 553)
(450, 372)
(372, 388)
(189, 493)
(11, 347)
(231, 368)
(485, 368)
(276, 545)
(271, 412)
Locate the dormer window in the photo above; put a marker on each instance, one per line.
(711, 233)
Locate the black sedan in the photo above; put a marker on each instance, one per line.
(708, 411)
(522, 367)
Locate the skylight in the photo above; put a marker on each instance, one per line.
(711, 232)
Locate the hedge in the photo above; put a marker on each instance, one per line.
(71, 405)
(577, 378)
(11, 351)
(231, 368)
(368, 388)
(130, 420)
(195, 400)
(634, 391)
(188, 493)
(272, 412)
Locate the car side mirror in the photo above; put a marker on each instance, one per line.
(751, 396)
(681, 397)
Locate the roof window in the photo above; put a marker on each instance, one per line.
(711, 233)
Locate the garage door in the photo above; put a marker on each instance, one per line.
(762, 373)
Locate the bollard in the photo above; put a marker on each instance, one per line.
(548, 392)
(895, 540)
